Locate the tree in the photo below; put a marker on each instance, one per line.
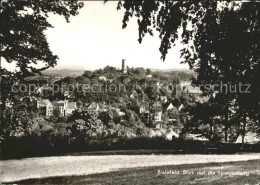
(86, 123)
(23, 26)
(110, 70)
(244, 113)
(16, 120)
(139, 71)
(134, 105)
(23, 42)
(68, 80)
(82, 80)
(176, 102)
(221, 40)
(56, 113)
(87, 74)
(176, 80)
(201, 120)
(148, 71)
(151, 93)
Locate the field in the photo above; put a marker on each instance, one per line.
(130, 169)
(247, 172)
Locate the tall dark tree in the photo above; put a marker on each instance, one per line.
(24, 43)
(87, 74)
(148, 71)
(23, 26)
(221, 39)
(23, 39)
(82, 80)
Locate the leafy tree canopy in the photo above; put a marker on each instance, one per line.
(221, 40)
(87, 74)
(23, 26)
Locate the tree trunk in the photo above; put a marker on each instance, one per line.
(226, 124)
(211, 120)
(210, 130)
(244, 128)
(149, 115)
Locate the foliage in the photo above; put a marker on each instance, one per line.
(148, 71)
(23, 26)
(23, 42)
(82, 80)
(16, 119)
(87, 74)
(228, 55)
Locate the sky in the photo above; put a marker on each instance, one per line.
(95, 38)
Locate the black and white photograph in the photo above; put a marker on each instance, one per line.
(125, 92)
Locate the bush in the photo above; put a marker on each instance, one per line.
(58, 142)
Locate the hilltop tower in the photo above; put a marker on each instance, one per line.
(123, 67)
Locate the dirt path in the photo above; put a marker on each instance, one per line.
(15, 170)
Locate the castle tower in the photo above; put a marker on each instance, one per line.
(123, 66)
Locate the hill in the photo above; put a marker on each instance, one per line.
(63, 72)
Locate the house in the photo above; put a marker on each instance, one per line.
(169, 134)
(93, 107)
(45, 107)
(71, 97)
(196, 93)
(185, 83)
(144, 108)
(118, 112)
(65, 108)
(156, 111)
(97, 107)
(158, 85)
(148, 76)
(163, 99)
(71, 106)
(49, 110)
(171, 111)
(103, 107)
(42, 103)
(133, 95)
(130, 135)
(193, 90)
(59, 105)
(157, 106)
(155, 133)
(157, 116)
(40, 90)
(170, 106)
(66, 93)
(102, 78)
(181, 107)
(151, 133)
